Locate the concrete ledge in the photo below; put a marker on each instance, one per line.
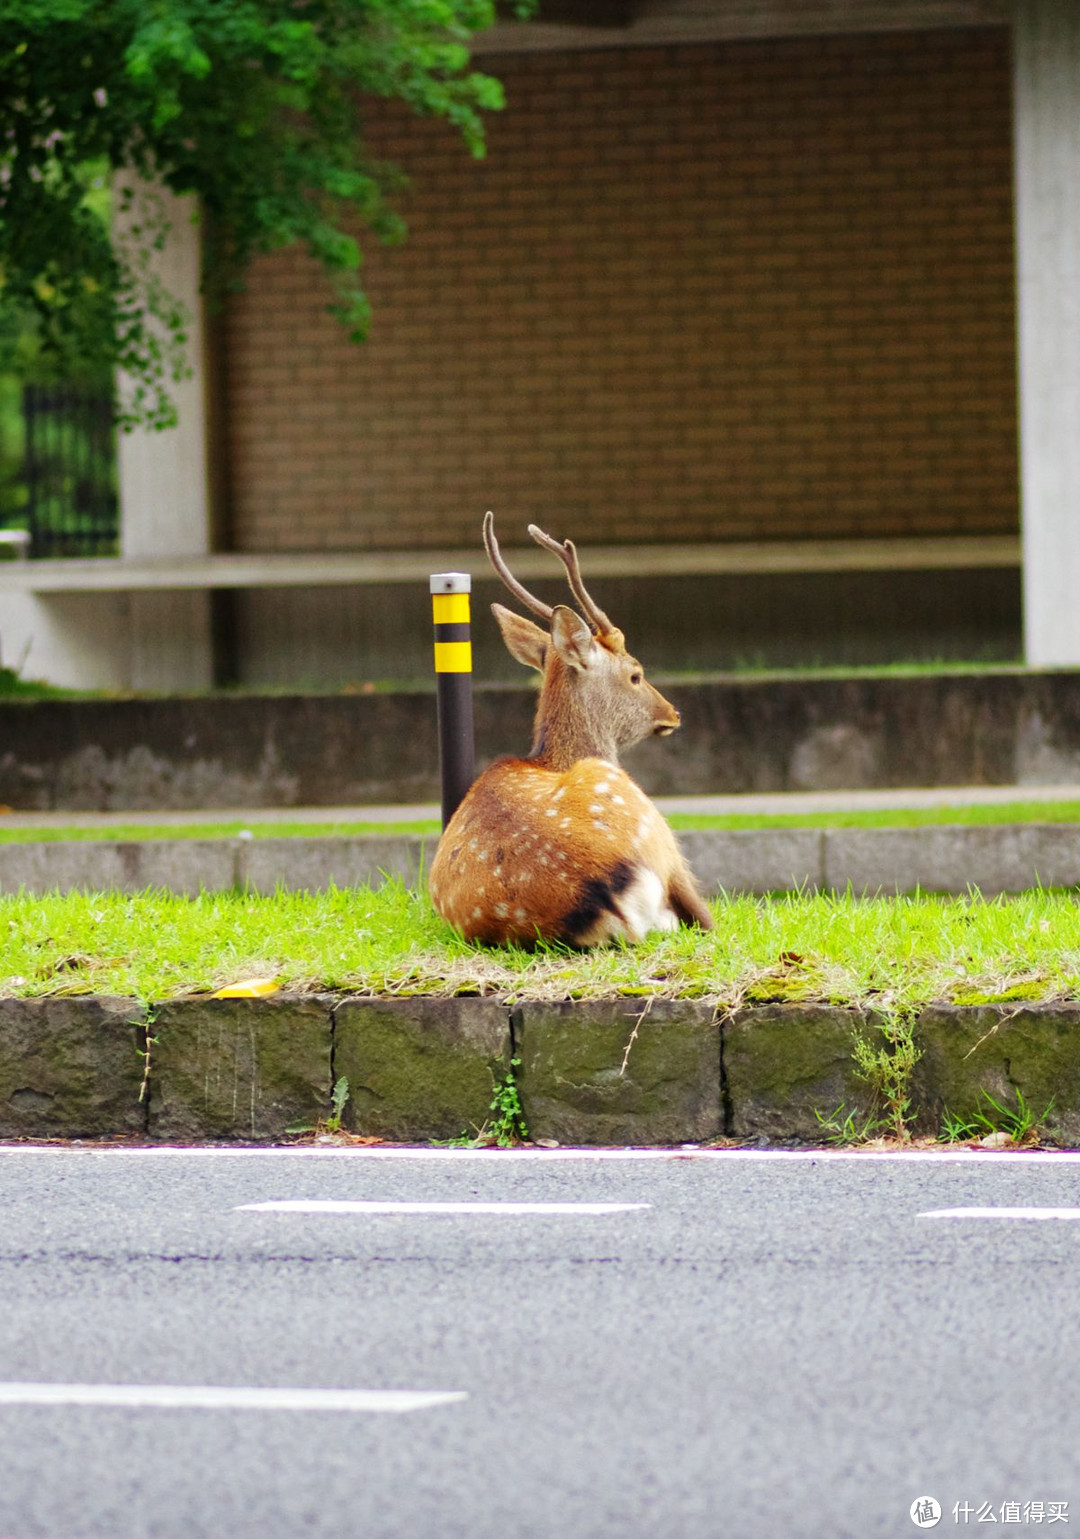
(784, 733)
(785, 1063)
(619, 1071)
(211, 865)
(72, 1068)
(999, 1049)
(420, 1068)
(995, 858)
(231, 1068)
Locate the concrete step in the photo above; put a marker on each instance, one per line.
(950, 858)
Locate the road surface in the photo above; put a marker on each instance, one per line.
(670, 1345)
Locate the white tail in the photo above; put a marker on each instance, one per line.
(563, 845)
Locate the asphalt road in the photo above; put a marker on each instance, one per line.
(739, 1346)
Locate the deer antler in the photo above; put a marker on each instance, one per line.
(491, 545)
(567, 554)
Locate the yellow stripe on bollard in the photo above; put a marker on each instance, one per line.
(453, 657)
(450, 608)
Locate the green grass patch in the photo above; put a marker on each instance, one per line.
(130, 831)
(896, 817)
(894, 953)
(14, 687)
(891, 817)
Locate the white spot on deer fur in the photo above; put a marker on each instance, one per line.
(472, 844)
(544, 861)
(595, 808)
(565, 822)
(482, 855)
(562, 855)
(601, 787)
(645, 907)
(561, 792)
(519, 915)
(477, 913)
(601, 828)
(552, 812)
(498, 871)
(501, 910)
(619, 801)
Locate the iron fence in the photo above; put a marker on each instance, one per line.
(69, 471)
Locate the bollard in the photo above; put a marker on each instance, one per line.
(453, 676)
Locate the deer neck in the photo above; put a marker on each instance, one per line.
(565, 731)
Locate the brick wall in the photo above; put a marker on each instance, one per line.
(741, 291)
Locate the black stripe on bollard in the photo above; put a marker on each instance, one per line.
(453, 678)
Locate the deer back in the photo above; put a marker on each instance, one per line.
(564, 845)
(580, 856)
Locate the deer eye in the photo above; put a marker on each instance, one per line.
(635, 678)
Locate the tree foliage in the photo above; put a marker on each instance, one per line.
(255, 106)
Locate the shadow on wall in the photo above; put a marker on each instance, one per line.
(311, 638)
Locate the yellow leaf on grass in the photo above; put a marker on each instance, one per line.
(248, 988)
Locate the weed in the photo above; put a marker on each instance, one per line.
(844, 1130)
(887, 1070)
(506, 1129)
(338, 1098)
(993, 1116)
(508, 1126)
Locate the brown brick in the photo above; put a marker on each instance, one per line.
(700, 291)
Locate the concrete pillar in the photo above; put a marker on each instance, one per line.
(165, 486)
(1047, 157)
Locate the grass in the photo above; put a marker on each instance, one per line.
(12, 687)
(894, 953)
(741, 670)
(128, 831)
(896, 817)
(890, 817)
(1019, 1121)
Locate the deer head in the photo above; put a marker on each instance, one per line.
(594, 700)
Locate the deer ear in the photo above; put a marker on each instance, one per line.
(572, 638)
(524, 640)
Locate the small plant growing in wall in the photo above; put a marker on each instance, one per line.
(885, 1066)
(997, 1122)
(508, 1126)
(339, 1097)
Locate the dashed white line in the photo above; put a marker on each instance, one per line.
(218, 1397)
(327, 1205)
(1022, 1213)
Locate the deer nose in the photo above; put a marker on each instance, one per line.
(666, 728)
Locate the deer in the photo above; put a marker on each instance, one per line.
(563, 846)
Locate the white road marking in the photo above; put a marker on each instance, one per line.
(1028, 1213)
(219, 1397)
(327, 1205)
(493, 1157)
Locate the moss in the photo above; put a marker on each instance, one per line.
(420, 1068)
(1027, 990)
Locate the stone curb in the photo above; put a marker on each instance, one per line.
(949, 858)
(601, 1072)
